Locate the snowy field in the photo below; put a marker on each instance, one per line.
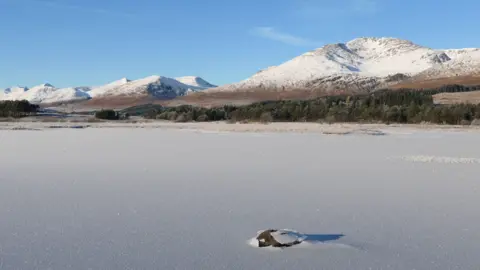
(177, 199)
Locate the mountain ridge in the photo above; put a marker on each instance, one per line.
(359, 64)
(156, 86)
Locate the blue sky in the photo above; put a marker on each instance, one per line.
(93, 42)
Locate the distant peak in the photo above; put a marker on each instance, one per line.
(16, 89)
(382, 41)
(153, 78)
(378, 39)
(123, 80)
(189, 77)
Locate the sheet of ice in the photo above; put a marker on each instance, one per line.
(165, 199)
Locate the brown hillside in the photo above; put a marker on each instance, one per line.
(439, 82)
(457, 98)
(210, 99)
(242, 97)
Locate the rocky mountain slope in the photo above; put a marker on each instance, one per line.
(158, 87)
(362, 64)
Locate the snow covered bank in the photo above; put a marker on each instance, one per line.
(223, 127)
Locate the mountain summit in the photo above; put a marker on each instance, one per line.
(360, 64)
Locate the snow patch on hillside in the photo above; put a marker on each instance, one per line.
(195, 81)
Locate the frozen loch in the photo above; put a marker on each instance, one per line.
(170, 199)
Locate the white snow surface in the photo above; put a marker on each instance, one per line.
(88, 203)
(285, 236)
(157, 86)
(362, 58)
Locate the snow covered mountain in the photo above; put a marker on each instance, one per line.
(363, 63)
(45, 93)
(66, 95)
(13, 93)
(38, 93)
(155, 86)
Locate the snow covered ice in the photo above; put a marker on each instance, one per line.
(120, 198)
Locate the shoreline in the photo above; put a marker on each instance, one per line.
(275, 127)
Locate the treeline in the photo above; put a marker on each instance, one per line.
(17, 108)
(402, 106)
(111, 115)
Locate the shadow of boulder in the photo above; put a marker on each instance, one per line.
(322, 237)
(317, 237)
